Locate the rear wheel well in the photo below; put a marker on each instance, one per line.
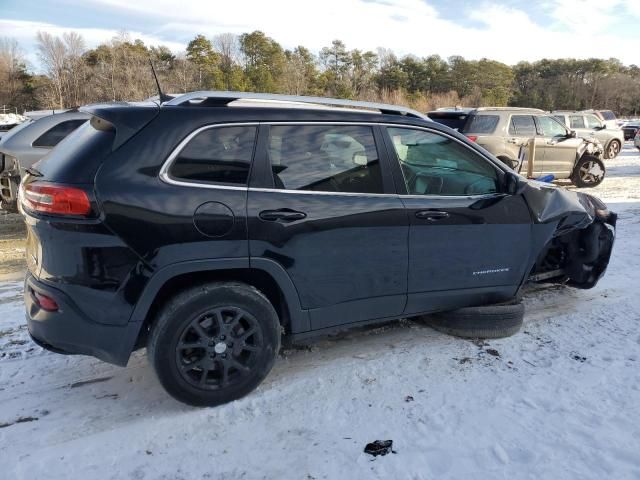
(256, 278)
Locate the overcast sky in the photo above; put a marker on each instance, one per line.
(507, 30)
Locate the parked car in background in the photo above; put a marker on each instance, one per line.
(630, 129)
(607, 117)
(452, 117)
(27, 143)
(206, 229)
(505, 131)
(636, 140)
(589, 125)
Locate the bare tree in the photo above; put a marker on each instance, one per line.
(75, 68)
(228, 46)
(52, 53)
(12, 69)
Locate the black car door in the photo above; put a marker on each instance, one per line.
(327, 214)
(468, 242)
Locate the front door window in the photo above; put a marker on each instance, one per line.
(434, 164)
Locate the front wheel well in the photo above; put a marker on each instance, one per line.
(256, 278)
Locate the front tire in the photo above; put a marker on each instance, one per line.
(588, 172)
(214, 343)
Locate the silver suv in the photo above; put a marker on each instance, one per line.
(506, 131)
(589, 125)
(27, 143)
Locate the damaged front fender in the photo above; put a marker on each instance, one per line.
(573, 235)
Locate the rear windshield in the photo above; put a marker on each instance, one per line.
(77, 158)
(455, 120)
(481, 124)
(607, 114)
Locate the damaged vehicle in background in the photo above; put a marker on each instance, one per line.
(589, 126)
(27, 143)
(507, 131)
(252, 223)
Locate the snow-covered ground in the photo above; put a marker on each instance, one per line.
(560, 400)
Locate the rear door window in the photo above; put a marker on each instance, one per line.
(326, 158)
(481, 124)
(522, 125)
(219, 155)
(57, 133)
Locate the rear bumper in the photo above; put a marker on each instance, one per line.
(69, 331)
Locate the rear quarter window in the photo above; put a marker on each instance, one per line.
(481, 124)
(216, 155)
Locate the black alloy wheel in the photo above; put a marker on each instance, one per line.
(219, 347)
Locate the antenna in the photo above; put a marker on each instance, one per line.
(162, 96)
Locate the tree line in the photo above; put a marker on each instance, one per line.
(119, 70)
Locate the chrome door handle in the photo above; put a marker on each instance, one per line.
(431, 215)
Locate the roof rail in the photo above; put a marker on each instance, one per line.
(221, 99)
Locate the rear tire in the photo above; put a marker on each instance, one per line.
(582, 176)
(214, 343)
(613, 149)
(489, 321)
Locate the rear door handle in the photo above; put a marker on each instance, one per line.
(431, 215)
(283, 215)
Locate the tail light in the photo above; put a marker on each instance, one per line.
(473, 138)
(45, 302)
(55, 199)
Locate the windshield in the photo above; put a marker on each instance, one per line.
(607, 115)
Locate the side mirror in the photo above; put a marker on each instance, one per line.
(511, 183)
(572, 134)
(360, 158)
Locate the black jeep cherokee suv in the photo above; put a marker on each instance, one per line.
(206, 227)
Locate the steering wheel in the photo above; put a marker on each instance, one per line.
(471, 188)
(433, 184)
